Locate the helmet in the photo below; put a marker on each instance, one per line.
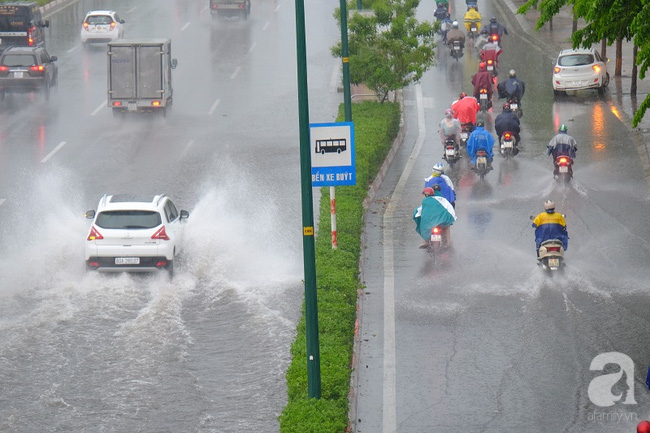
(563, 128)
(493, 20)
(513, 74)
(462, 95)
(549, 205)
(455, 24)
(428, 191)
(484, 31)
(435, 187)
(506, 106)
(439, 167)
(480, 122)
(482, 66)
(449, 112)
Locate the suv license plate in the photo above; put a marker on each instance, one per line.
(127, 260)
(564, 169)
(18, 74)
(436, 238)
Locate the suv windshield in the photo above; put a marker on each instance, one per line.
(128, 219)
(576, 60)
(19, 60)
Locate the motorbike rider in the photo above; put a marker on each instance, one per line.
(440, 12)
(480, 139)
(445, 26)
(472, 16)
(497, 28)
(483, 80)
(562, 145)
(507, 120)
(512, 88)
(455, 34)
(438, 177)
(449, 127)
(434, 211)
(491, 51)
(465, 109)
(550, 225)
(482, 39)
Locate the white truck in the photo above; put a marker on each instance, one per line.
(140, 75)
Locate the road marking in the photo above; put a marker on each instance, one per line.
(185, 26)
(56, 149)
(266, 26)
(214, 106)
(234, 74)
(73, 48)
(2, 200)
(102, 105)
(131, 10)
(277, 8)
(187, 148)
(203, 9)
(252, 47)
(389, 404)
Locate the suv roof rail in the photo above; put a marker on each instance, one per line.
(160, 198)
(102, 202)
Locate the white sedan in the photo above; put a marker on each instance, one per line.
(580, 69)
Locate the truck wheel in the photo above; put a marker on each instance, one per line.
(116, 112)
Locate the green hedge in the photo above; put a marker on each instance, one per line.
(337, 280)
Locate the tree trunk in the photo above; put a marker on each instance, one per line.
(550, 23)
(619, 56)
(575, 25)
(603, 49)
(635, 50)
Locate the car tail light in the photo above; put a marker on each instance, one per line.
(155, 103)
(507, 136)
(93, 264)
(30, 40)
(3, 68)
(117, 103)
(37, 68)
(113, 24)
(596, 68)
(161, 264)
(435, 230)
(94, 234)
(160, 234)
(556, 70)
(85, 25)
(556, 249)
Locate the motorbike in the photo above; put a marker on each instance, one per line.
(483, 100)
(452, 154)
(551, 255)
(465, 133)
(456, 50)
(515, 106)
(436, 243)
(472, 34)
(508, 147)
(491, 67)
(564, 168)
(481, 166)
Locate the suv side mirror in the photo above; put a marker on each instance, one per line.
(122, 22)
(45, 23)
(174, 63)
(53, 58)
(90, 214)
(184, 214)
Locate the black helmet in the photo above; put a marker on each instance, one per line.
(493, 20)
(484, 31)
(480, 123)
(436, 187)
(506, 107)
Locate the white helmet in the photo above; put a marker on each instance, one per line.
(549, 205)
(455, 24)
(439, 167)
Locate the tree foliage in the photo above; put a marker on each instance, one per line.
(641, 31)
(547, 9)
(389, 49)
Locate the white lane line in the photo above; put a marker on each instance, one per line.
(187, 148)
(102, 105)
(2, 200)
(252, 47)
(277, 8)
(389, 404)
(334, 83)
(266, 25)
(204, 9)
(185, 26)
(73, 48)
(56, 149)
(234, 74)
(131, 10)
(214, 106)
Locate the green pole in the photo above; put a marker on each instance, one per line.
(358, 5)
(347, 100)
(309, 255)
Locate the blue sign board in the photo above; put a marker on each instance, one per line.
(332, 154)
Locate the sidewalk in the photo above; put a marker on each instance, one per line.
(560, 38)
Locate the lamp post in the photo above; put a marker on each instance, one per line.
(308, 247)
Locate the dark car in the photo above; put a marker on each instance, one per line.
(25, 69)
(21, 25)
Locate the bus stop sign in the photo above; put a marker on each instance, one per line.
(332, 154)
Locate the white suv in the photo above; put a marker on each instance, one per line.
(134, 234)
(580, 69)
(101, 26)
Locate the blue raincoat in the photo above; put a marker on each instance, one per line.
(550, 226)
(434, 211)
(480, 139)
(445, 189)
